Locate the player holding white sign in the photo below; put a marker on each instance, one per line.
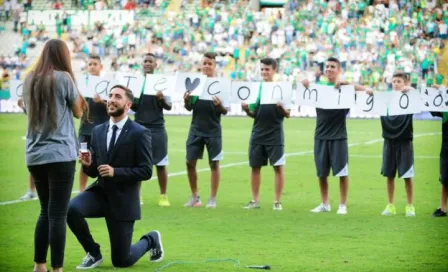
(267, 139)
(441, 211)
(398, 150)
(149, 113)
(205, 130)
(330, 142)
(97, 113)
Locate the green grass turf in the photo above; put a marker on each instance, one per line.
(291, 240)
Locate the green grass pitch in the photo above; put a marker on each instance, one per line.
(291, 240)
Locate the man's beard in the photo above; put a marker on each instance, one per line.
(117, 112)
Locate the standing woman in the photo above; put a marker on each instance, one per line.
(205, 130)
(51, 100)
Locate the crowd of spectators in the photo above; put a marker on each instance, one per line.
(372, 39)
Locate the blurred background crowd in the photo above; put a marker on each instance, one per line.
(372, 39)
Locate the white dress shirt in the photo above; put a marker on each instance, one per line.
(120, 126)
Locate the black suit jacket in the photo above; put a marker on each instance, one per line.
(131, 159)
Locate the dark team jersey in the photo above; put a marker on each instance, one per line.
(268, 124)
(97, 115)
(444, 115)
(331, 123)
(149, 111)
(206, 120)
(397, 127)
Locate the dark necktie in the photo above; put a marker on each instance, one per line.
(112, 140)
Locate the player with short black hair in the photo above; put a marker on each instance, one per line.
(330, 142)
(97, 113)
(149, 113)
(267, 139)
(441, 211)
(398, 150)
(205, 130)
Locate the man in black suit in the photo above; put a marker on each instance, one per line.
(120, 157)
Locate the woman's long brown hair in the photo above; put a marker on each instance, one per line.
(55, 57)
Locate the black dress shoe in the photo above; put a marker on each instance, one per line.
(439, 213)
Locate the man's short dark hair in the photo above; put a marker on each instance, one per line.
(270, 62)
(210, 55)
(126, 90)
(333, 59)
(403, 75)
(150, 55)
(95, 57)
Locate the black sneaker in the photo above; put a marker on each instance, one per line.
(156, 251)
(439, 213)
(90, 262)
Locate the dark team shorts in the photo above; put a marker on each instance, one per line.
(85, 139)
(331, 154)
(259, 155)
(444, 170)
(159, 143)
(398, 156)
(195, 148)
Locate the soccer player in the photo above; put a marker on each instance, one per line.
(149, 113)
(398, 150)
(330, 142)
(97, 114)
(205, 130)
(441, 211)
(267, 139)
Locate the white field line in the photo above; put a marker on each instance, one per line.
(181, 173)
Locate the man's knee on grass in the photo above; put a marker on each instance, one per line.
(120, 261)
(161, 168)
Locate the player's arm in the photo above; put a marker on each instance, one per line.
(164, 100)
(97, 99)
(358, 87)
(21, 104)
(187, 101)
(217, 102)
(436, 114)
(285, 112)
(437, 86)
(247, 110)
(306, 83)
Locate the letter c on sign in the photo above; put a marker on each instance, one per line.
(209, 86)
